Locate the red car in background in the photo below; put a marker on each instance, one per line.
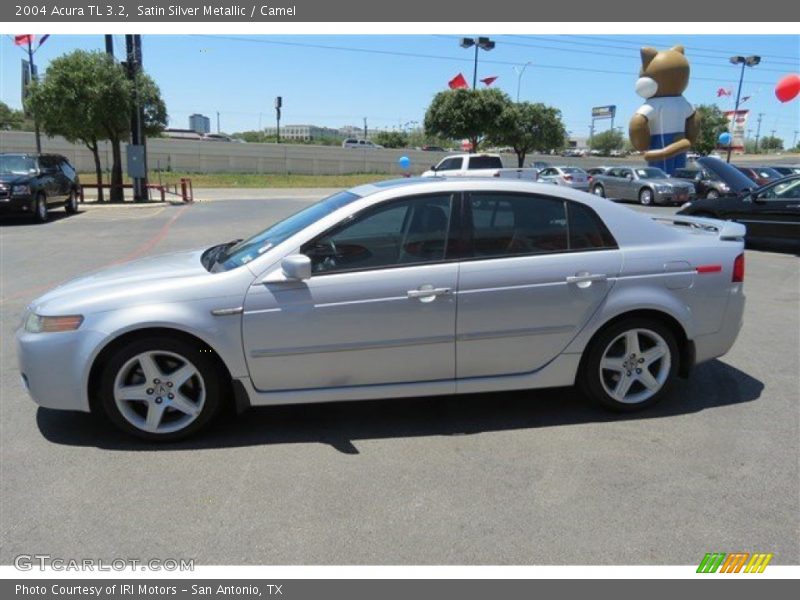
(761, 175)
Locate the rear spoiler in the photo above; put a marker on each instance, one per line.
(726, 230)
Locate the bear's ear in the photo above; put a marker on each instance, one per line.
(678, 48)
(648, 54)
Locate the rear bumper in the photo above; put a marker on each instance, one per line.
(720, 342)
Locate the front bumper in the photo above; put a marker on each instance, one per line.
(672, 197)
(55, 366)
(16, 204)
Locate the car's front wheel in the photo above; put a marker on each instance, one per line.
(630, 365)
(712, 194)
(646, 196)
(161, 389)
(40, 208)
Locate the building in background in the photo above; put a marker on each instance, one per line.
(304, 133)
(199, 123)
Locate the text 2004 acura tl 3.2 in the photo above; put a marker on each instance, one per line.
(400, 288)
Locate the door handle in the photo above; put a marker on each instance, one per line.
(428, 292)
(586, 277)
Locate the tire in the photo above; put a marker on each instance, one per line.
(646, 197)
(40, 208)
(599, 190)
(607, 361)
(169, 409)
(712, 194)
(71, 205)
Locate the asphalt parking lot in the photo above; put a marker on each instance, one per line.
(514, 478)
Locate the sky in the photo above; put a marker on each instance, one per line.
(339, 80)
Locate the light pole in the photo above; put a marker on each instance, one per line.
(745, 61)
(520, 71)
(482, 43)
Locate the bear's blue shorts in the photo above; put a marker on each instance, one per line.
(667, 165)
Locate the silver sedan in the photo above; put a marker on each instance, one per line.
(399, 288)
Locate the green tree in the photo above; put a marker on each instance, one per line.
(470, 114)
(11, 119)
(391, 139)
(529, 127)
(770, 143)
(608, 140)
(712, 124)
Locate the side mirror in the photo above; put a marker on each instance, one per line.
(433, 167)
(296, 267)
(758, 199)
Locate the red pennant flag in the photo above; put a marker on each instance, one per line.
(23, 40)
(458, 83)
(723, 92)
(489, 80)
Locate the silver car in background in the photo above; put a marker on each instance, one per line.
(401, 288)
(571, 177)
(646, 185)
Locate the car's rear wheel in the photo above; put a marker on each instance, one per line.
(630, 365)
(40, 208)
(712, 194)
(71, 205)
(598, 190)
(161, 389)
(646, 196)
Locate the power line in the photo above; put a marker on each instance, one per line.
(438, 57)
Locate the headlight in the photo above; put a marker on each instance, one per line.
(663, 188)
(723, 187)
(685, 205)
(39, 324)
(20, 190)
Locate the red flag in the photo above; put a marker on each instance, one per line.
(458, 83)
(723, 92)
(489, 80)
(23, 40)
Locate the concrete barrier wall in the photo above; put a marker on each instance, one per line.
(204, 157)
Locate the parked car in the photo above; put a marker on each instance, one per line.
(34, 183)
(573, 177)
(539, 164)
(592, 171)
(770, 212)
(785, 170)
(400, 288)
(478, 165)
(707, 184)
(761, 175)
(646, 185)
(357, 143)
(433, 149)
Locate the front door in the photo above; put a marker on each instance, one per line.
(532, 282)
(379, 307)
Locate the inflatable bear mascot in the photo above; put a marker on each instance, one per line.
(666, 125)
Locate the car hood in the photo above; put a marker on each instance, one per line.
(737, 181)
(170, 276)
(14, 179)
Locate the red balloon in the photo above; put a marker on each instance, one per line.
(788, 88)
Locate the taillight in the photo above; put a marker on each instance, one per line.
(496, 174)
(567, 177)
(738, 269)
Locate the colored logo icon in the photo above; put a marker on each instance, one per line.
(736, 562)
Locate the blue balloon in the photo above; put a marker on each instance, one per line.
(404, 162)
(725, 138)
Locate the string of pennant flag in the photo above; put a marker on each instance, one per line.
(460, 83)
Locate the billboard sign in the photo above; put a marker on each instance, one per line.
(604, 112)
(736, 127)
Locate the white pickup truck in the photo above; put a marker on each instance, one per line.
(478, 165)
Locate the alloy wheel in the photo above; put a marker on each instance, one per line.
(646, 197)
(635, 366)
(159, 391)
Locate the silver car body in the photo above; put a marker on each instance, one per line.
(454, 326)
(571, 177)
(628, 183)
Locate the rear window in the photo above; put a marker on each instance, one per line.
(574, 171)
(485, 162)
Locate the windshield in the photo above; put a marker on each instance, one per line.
(246, 250)
(651, 173)
(16, 164)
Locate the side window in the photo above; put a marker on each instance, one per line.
(586, 230)
(547, 173)
(404, 232)
(451, 164)
(783, 191)
(47, 163)
(507, 225)
(67, 169)
(613, 173)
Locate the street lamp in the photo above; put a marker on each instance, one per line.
(520, 71)
(745, 61)
(484, 43)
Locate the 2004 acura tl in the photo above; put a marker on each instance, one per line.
(400, 288)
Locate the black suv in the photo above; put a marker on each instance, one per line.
(33, 183)
(706, 182)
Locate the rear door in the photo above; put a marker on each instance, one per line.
(52, 179)
(530, 281)
(612, 182)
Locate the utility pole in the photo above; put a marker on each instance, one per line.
(794, 139)
(758, 130)
(34, 78)
(365, 128)
(138, 146)
(591, 134)
(217, 121)
(278, 105)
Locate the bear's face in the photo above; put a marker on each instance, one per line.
(663, 73)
